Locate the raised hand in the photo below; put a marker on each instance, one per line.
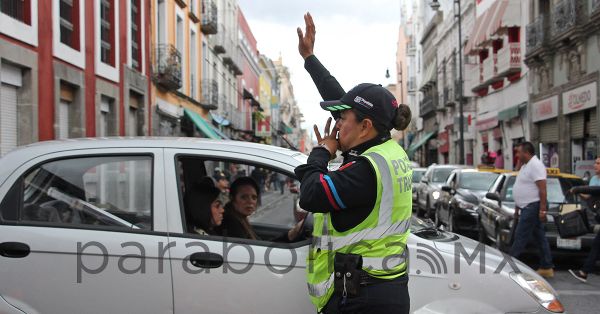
(329, 140)
(306, 42)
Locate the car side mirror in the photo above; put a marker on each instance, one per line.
(493, 197)
(424, 181)
(447, 189)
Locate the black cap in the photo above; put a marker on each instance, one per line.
(372, 100)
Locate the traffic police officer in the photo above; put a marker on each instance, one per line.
(358, 258)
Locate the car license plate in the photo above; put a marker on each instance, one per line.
(569, 244)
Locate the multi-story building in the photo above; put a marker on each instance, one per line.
(498, 79)
(291, 117)
(561, 40)
(180, 106)
(269, 100)
(425, 150)
(449, 86)
(73, 68)
(249, 108)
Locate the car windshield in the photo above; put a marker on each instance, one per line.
(417, 175)
(478, 181)
(441, 175)
(554, 188)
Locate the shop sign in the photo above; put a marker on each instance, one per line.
(580, 98)
(544, 109)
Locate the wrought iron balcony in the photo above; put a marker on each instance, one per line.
(233, 57)
(219, 41)
(210, 94)
(167, 67)
(509, 59)
(428, 105)
(210, 17)
(536, 34)
(449, 97)
(566, 15)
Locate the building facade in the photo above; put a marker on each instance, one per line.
(73, 68)
(561, 42)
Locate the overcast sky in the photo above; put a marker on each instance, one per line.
(356, 40)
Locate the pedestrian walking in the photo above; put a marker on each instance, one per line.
(590, 262)
(531, 208)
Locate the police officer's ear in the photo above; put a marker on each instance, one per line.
(367, 124)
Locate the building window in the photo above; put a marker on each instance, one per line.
(66, 112)
(108, 123)
(107, 34)
(69, 23)
(135, 116)
(180, 45)
(136, 35)
(193, 65)
(17, 9)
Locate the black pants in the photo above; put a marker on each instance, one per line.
(385, 297)
(590, 262)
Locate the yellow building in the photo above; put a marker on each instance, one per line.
(267, 86)
(180, 107)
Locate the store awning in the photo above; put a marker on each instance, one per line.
(285, 128)
(220, 120)
(479, 34)
(416, 145)
(512, 112)
(430, 75)
(508, 14)
(205, 127)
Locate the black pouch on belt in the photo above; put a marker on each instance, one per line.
(347, 269)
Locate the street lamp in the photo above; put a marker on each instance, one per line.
(435, 5)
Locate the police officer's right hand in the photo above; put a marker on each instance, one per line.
(306, 42)
(329, 140)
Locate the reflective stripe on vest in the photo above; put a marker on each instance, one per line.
(382, 243)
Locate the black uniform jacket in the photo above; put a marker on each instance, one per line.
(348, 193)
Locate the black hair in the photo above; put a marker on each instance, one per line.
(198, 201)
(528, 148)
(242, 181)
(402, 118)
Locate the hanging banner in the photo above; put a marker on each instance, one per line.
(263, 127)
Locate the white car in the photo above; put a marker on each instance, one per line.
(97, 226)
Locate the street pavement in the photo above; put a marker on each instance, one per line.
(577, 297)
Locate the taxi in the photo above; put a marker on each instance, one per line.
(497, 208)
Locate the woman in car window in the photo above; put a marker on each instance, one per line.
(244, 196)
(204, 207)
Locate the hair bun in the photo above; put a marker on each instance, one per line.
(402, 117)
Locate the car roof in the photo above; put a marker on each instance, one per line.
(562, 175)
(27, 152)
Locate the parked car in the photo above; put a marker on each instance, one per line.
(79, 219)
(496, 213)
(430, 188)
(416, 183)
(460, 198)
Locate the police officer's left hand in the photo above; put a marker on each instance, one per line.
(329, 140)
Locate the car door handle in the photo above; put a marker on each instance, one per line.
(14, 249)
(206, 260)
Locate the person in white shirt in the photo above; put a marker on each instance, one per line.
(531, 208)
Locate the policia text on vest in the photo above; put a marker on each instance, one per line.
(380, 240)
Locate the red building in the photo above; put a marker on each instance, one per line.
(73, 68)
(249, 81)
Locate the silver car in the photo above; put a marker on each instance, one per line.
(98, 226)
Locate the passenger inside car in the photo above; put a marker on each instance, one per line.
(204, 207)
(244, 196)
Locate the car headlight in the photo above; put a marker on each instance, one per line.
(435, 195)
(462, 204)
(539, 290)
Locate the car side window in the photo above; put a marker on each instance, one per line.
(507, 190)
(114, 191)
(267, 215)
